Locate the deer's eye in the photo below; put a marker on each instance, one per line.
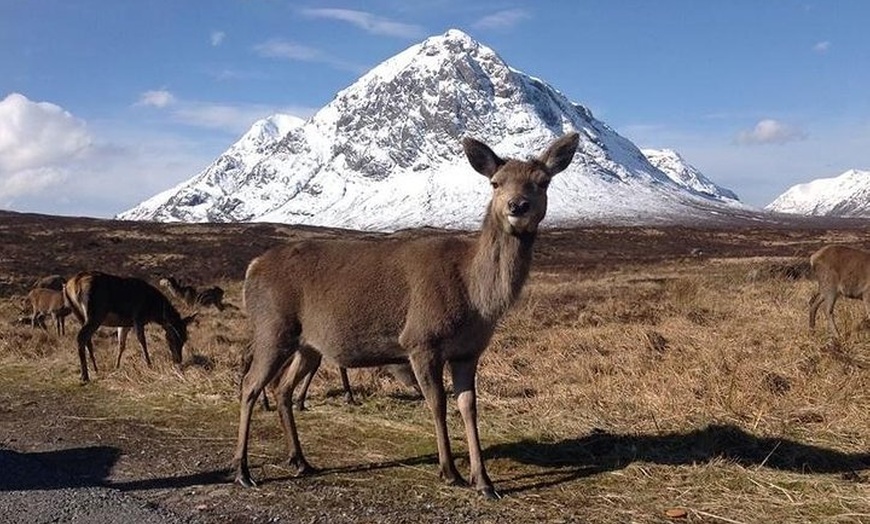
(494, 184)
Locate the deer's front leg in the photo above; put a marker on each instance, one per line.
(466, 396)
(428, 369)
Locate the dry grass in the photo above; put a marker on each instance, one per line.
(609, 395)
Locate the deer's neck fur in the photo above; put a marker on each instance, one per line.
(500, 263)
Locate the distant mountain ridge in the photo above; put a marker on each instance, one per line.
(386, 154)
(672, 164)
(846, 195)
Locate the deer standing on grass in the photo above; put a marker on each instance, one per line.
(213, 296)
(839, 270)
(427, 301)
(45, 301)
(99, 299)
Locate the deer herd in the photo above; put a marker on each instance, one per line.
(412, 306)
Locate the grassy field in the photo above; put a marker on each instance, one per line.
(631, 383)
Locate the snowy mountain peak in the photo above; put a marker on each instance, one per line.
(385, 154)
(267, 131)
(672, 164)
(846, 195)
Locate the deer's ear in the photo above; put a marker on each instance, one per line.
(481, 157)
(558, 156)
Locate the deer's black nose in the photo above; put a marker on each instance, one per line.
(518, 207)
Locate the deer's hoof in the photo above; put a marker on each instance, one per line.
(489, 493)
(301, 466)
(245, 480)
(454, 479)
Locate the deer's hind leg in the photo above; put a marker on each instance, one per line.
(303, 391)
(304, 365)
(83, 339)
(270, 351)
(815, 302)
(140, 336)
(122, 344)
(830, 300)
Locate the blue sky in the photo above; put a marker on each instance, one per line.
(104, 103)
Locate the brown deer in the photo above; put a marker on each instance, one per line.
(212, 296)
(427, 301)
(99, 299)
(45, 301)
(839, 270)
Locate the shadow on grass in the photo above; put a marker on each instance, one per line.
(66, 468)
(561, 462)
(602, 451)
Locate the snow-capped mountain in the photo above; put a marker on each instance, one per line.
(386, 154)
(847, 195)
(672, 164)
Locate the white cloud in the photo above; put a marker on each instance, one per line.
(277, 48)
(29, 182)
(770, 131)
(158, 98)
(37, 140)
(368, 22)
(822, 47)
(505, 19)
(217, 38)
(230, 118)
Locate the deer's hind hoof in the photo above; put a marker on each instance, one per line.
(455, 480)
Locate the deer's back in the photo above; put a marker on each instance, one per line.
(344, 296)
(847, 267)
(46, 299)
(118, 299)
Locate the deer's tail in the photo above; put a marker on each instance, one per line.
(73, 300)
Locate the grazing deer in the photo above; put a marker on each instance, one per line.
(427, 301)
(212, 296)
(99, 299)
(45, 301)
(839, 270)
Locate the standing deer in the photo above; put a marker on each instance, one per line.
(839, 270)
(45, 301)
(99, 299)
(427, 301)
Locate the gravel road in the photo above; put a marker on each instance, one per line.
(31, 492)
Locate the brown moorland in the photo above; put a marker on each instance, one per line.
(648, 374)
